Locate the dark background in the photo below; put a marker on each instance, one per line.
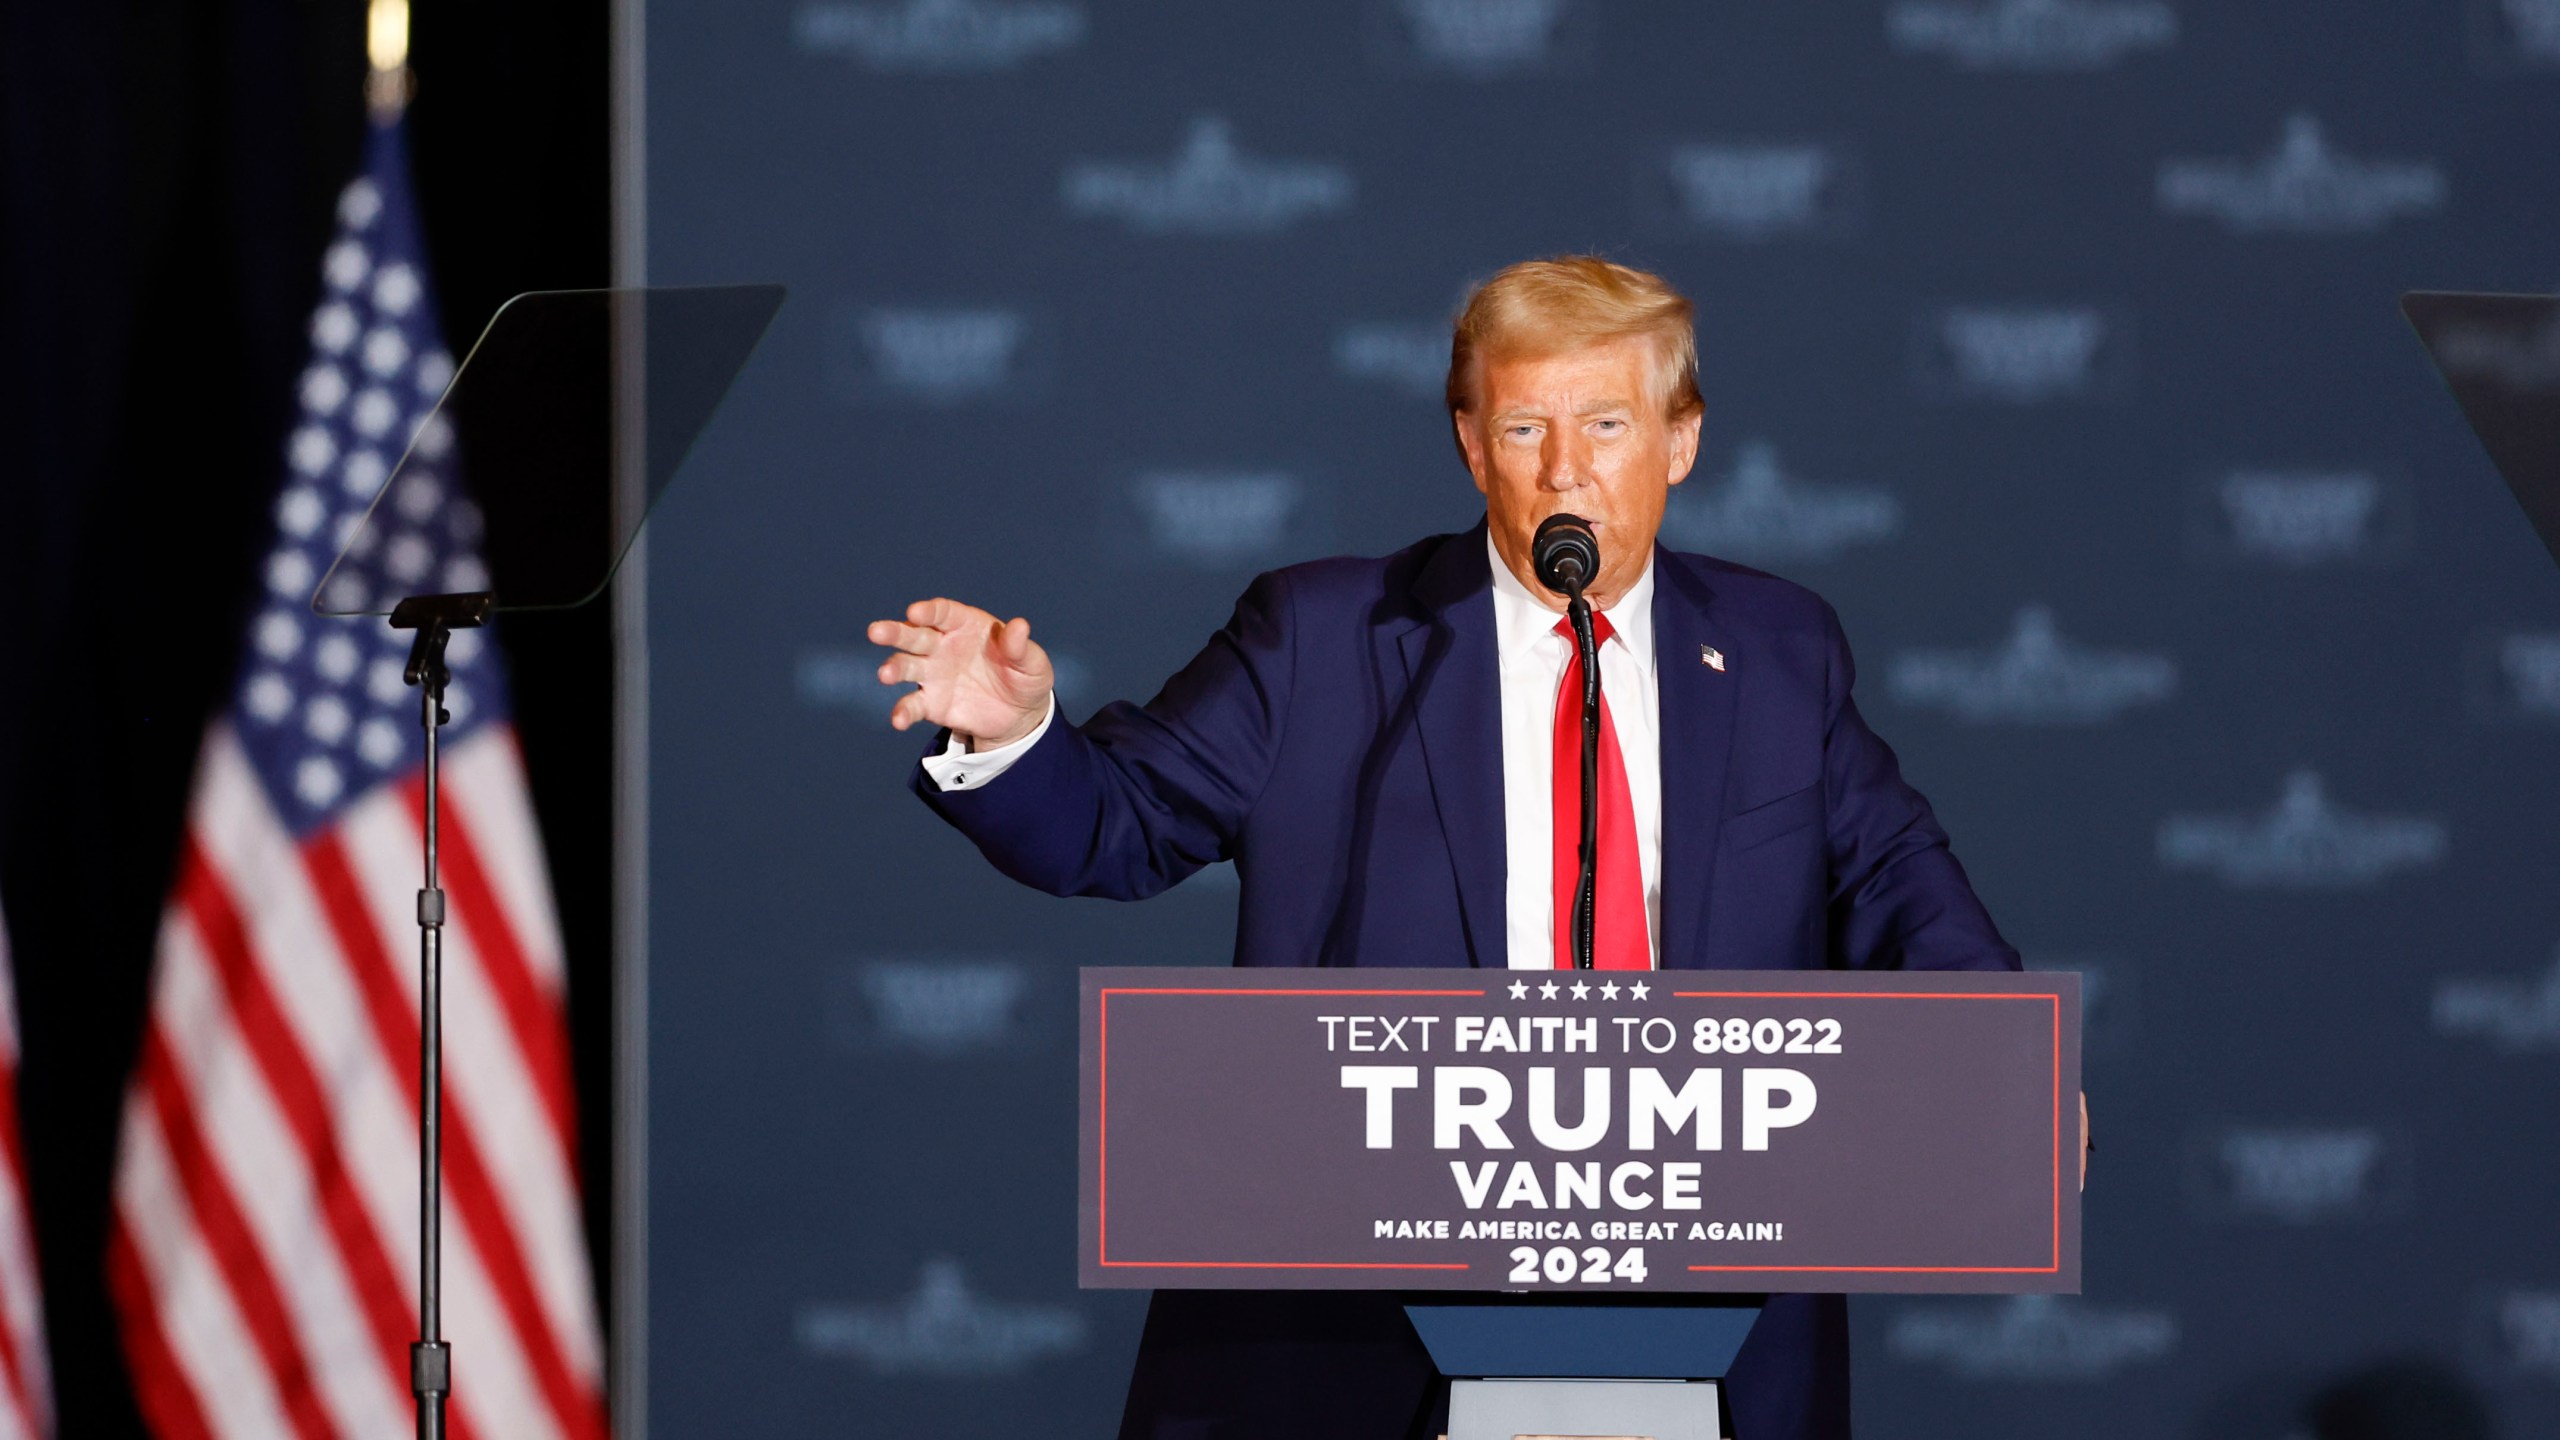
(170, 173)
(862, 1054)
(861, 1184)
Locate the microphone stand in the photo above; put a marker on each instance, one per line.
(435, 618)
(1578, 610)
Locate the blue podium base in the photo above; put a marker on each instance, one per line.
(1584, 1410)
(1680, 1341)
(1582, 1369)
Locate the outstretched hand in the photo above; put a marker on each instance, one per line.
(980, 677)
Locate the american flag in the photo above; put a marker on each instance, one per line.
(264, 1249)
(26, 1385)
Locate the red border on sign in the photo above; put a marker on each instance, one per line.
(1102, 1183)
(2054, 1000)
(1102, 1176)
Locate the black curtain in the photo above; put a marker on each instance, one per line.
(169, 173)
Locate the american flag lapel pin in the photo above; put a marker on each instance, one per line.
(1712, 658)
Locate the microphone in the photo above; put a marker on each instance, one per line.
(1566, 556)
(1565, 553)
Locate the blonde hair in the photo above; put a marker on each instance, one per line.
(1548, 307)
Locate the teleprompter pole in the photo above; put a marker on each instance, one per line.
(435, 618)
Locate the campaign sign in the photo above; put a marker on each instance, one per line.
(1596, 1131)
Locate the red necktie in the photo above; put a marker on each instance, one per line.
(1617, 923)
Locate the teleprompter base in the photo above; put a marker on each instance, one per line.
(1653, 1409)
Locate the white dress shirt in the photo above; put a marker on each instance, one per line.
(1533, 662)
(1533, 658)
(960, 768)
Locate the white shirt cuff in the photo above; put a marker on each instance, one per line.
(958, 768)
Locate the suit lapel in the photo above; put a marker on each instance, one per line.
(1697, 739)
(1456, 676)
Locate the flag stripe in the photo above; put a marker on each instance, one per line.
(395, 1028)
(486, 1077)
(205, 1330)
(510, 843)
(259, 1161)
(475, 1318)
(159, 1382)
(287, 986)
(249, 1005)
(26, 1381)
(19, 1414)
(12, 1146)
(371, 1092)
(226, 1233)
(217, 1032)
(21, 1342)
(539, 1027)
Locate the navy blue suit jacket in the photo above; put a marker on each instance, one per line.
(1340, 741)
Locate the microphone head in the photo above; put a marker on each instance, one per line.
(1565, 553)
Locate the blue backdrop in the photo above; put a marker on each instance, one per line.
(2052, 340)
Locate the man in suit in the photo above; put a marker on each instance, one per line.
(1388, 751)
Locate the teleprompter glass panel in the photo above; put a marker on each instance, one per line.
(2500, 355)
(572, 413)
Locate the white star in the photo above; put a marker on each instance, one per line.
(289, 574)
(356, 537)
(385, 681)
(299, 510)
(375, 412)
(408, 557)
(1581, 991)
(396, 288)
(359, 203)
(456, 703)
(378, 742)
(337, 656)
(323, 388)
(385, 351)
(1639, 990)
(1519, 989)
(435, 371)
(317, 781)
(334, 328)
(326, 719)
(344, 595)
(279, 636)
(419, 495)
(465, 574)
(269, 697)
(1609, 991)
(1547, 991)
(464, 518)
(313, 450)
(363, 472)
(434, 437)
(346, 265)
(464, 645)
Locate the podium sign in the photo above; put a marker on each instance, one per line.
(1597, 1133)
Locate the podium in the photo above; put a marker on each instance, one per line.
(1580, 1182)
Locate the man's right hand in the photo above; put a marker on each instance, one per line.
(980, 677)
